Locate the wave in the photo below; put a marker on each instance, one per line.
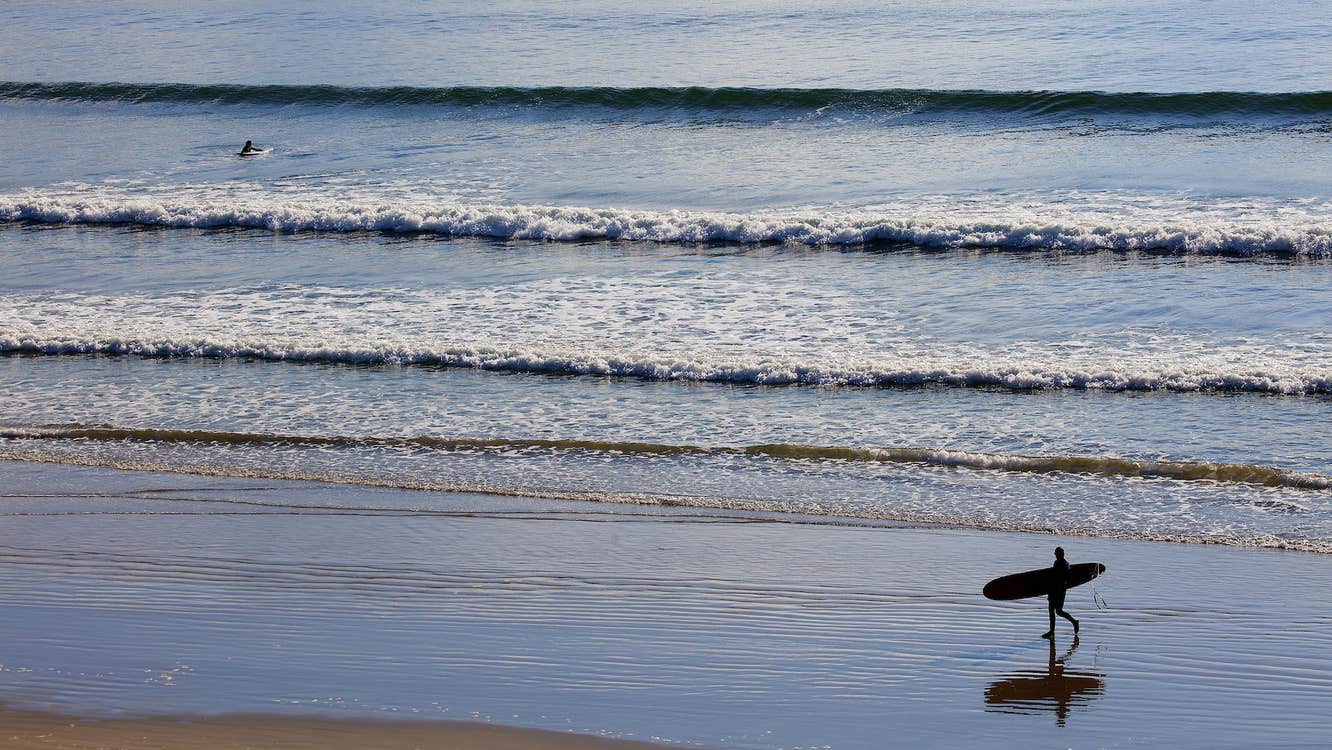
(1026, 231)
(757, 372)
(1209, 104)
(1104, 466)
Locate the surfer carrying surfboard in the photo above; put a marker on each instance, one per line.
(1058, 587)
(1052, 583)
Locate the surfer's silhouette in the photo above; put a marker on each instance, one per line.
(249, 148)
(1058, 587)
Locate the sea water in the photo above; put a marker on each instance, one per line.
(1040, 266)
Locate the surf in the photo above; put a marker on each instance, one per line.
(895, 373)
(1274, 230)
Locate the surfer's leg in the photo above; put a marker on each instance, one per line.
(1068, 617)
(1055, 602)
(1050, 633)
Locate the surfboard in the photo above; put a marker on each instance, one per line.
(255, 152)
(1037, 582)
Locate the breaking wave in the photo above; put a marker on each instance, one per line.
(1025, 229)
(759, 372)
(1209, 104)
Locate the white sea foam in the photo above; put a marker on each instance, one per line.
(1076, 226)
(760, 322)
(739, 369)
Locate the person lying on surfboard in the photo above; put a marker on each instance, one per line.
(249, 148)
(1058, 587)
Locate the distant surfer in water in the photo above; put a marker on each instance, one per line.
(1058, 587)
(249, 148)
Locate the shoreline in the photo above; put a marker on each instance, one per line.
(137, 593)
(795, 515)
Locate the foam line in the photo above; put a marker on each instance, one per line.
(941, 229)
(1105, 466)
(655, 368)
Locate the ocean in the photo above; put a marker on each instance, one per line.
(672, 371)
(1037, 266)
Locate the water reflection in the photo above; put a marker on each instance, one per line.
(1055, 690)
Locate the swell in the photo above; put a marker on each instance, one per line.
(1187, 234)
(1104, 466)
(757, 372)
(1209, 104)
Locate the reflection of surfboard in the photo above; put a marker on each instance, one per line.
(1057, 692)
(1039, 689)
(255, 152)
(1037, 582)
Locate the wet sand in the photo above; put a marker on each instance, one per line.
(21, 730)
(273, 607)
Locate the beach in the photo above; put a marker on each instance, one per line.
(34, 730)
(520, 373)
(141, 599)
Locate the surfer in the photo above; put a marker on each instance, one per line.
(249, 148)
(1058, 587)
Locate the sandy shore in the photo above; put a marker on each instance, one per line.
(274, 604)
(22, 730)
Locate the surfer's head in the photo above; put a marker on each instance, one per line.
(249, 145)
(1059, 552)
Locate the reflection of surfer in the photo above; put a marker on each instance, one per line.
(1058, 689)
(1056, 671)
(1058, 587)
(249, 148)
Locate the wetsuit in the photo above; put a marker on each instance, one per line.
(1058, 587)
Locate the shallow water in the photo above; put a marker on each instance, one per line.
(695, 627)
